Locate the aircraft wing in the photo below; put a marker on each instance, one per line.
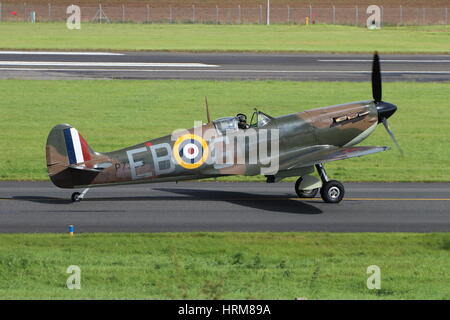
(320, 154)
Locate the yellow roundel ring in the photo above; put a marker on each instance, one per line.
(190, 151)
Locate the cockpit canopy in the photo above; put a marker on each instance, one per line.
(226, 124)
(231, 124)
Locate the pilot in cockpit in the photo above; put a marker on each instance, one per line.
(242, 121)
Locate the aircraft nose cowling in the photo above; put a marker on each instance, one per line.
(385, 110)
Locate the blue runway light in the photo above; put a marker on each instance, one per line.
(71, 229)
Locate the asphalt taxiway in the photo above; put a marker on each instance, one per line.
(221, 206)
(219, 66)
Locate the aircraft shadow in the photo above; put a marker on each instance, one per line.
(45, 200)
(256, 201)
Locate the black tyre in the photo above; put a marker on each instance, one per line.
(304, 193)
(332, 191)
(76, 197)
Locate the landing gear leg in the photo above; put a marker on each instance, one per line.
(76, 196)
(332, 191)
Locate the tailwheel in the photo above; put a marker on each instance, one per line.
(76, 197)
(332, 191)
(304, 193)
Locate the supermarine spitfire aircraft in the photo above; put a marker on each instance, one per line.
(304, 142)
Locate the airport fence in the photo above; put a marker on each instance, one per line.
(225, 15)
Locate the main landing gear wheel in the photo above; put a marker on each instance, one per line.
(332, 191)
(76, 197)
(304, 193)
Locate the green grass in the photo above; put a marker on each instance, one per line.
(116, 114)
(225, 265)
(178, 37)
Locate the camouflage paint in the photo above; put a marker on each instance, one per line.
(301, 136)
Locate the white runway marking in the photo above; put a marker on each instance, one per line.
(399, 61)
(219, 71)
(66, 53)
(105, 64)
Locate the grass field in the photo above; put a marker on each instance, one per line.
(116, 114)
(283, 38)
(225, 265)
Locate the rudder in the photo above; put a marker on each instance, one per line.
(65, 147)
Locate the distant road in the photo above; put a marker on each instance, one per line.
(219, 66)
(219, 206)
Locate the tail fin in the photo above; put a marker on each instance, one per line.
(65, 147)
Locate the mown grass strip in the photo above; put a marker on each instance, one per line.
(198, 37)
(116, 114)
(225, 265)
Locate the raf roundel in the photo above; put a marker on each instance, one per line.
(190, 151)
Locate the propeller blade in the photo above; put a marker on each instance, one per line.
(207, 110)
(385, 123)
(376, 78)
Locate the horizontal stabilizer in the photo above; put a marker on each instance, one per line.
(84, 168)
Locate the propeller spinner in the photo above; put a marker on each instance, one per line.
(384, 109)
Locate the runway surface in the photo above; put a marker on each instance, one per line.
(219, 66)
(220, 206)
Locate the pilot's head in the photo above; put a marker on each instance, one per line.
(241, 117)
